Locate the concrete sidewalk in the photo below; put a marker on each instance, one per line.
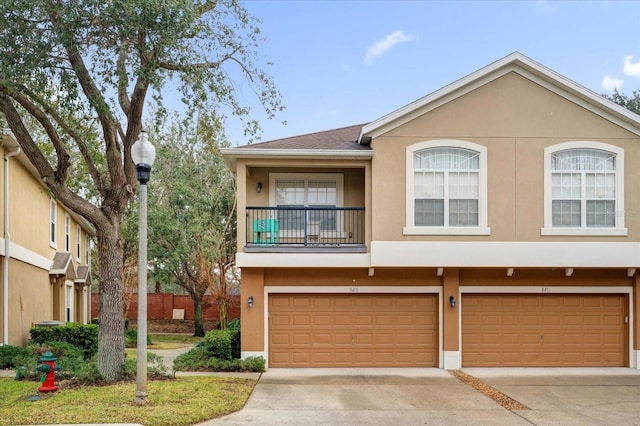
(584, 396)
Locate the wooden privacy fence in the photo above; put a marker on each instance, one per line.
(160, 306)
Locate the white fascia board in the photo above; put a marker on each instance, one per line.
(504, 254)
(29, 257)
(514, 62)
(303, 260)
(231, 155)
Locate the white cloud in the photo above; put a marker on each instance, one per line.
(611, 83)
(630, 68)
(381, 46)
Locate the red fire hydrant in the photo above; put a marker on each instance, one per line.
(48, 368)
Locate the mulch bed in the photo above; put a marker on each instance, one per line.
(502, 399)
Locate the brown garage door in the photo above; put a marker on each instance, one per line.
(347, 330)
(544, 330)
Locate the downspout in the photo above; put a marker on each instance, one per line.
(7, 245)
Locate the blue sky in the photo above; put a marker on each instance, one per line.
(339, 63)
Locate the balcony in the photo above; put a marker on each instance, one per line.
(310, 229)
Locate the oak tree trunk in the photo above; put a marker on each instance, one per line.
(111, 304)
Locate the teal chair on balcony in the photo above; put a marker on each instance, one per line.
(266, 231)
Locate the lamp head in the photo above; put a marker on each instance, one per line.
(143, 154)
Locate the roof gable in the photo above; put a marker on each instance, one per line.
(518, 63)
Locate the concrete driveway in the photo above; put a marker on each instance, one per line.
(583, 396)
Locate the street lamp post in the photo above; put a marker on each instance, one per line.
(143, 154)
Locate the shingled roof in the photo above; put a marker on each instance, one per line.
(344, 138)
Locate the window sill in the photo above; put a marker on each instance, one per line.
(585, 232)
(441, 230)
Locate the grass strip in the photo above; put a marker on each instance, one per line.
(179, 402)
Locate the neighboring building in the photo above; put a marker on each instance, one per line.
(45, 252)
(494, 222)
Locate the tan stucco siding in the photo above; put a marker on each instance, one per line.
(515, 119)
(29, 300)
(29, 211)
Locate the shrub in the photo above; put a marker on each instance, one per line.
(253, 363)
(13, 356)
(234, 324)
(155, 367)
(83, 336)
(131, 338)
(199, 358)
(235, 342)
(195, 359)
(218, 343)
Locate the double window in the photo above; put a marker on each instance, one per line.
(446, 188)
(584, 184)
(307, 201)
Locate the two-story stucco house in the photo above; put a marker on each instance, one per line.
(45, 252)
(494, 222)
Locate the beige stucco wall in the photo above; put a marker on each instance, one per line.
(29, 300)
(29, 211)
(515, 119)
(31, 296)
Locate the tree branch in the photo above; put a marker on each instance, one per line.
(73, 132)
(62, 155)
(123, 81)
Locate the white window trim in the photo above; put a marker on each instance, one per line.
(619, 229)
(67, 233)
(53, 226)
(338, 177)
(482, 228)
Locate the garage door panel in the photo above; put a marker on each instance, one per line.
(353, 330)
(543, 330)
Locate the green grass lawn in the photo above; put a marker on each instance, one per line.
(158, 338)
(182, 401)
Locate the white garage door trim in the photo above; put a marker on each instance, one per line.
(634, 356)
(354, 289)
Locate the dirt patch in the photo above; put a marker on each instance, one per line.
(502, 399)
(174, 326)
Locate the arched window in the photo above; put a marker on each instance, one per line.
(584, 185)
(446, 188)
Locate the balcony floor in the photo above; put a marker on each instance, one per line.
(301, 248)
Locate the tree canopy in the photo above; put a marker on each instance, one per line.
(75, 78)
(192, 224)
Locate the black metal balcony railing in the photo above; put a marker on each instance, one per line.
(305, 226)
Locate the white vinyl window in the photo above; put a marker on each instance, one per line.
(583, 189)
(67, 233)
(446, 188)
(53, 207)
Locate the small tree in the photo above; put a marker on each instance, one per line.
(192, 211)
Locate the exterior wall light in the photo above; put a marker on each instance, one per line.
(250, 302)
(452, 301)
(259, 187)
